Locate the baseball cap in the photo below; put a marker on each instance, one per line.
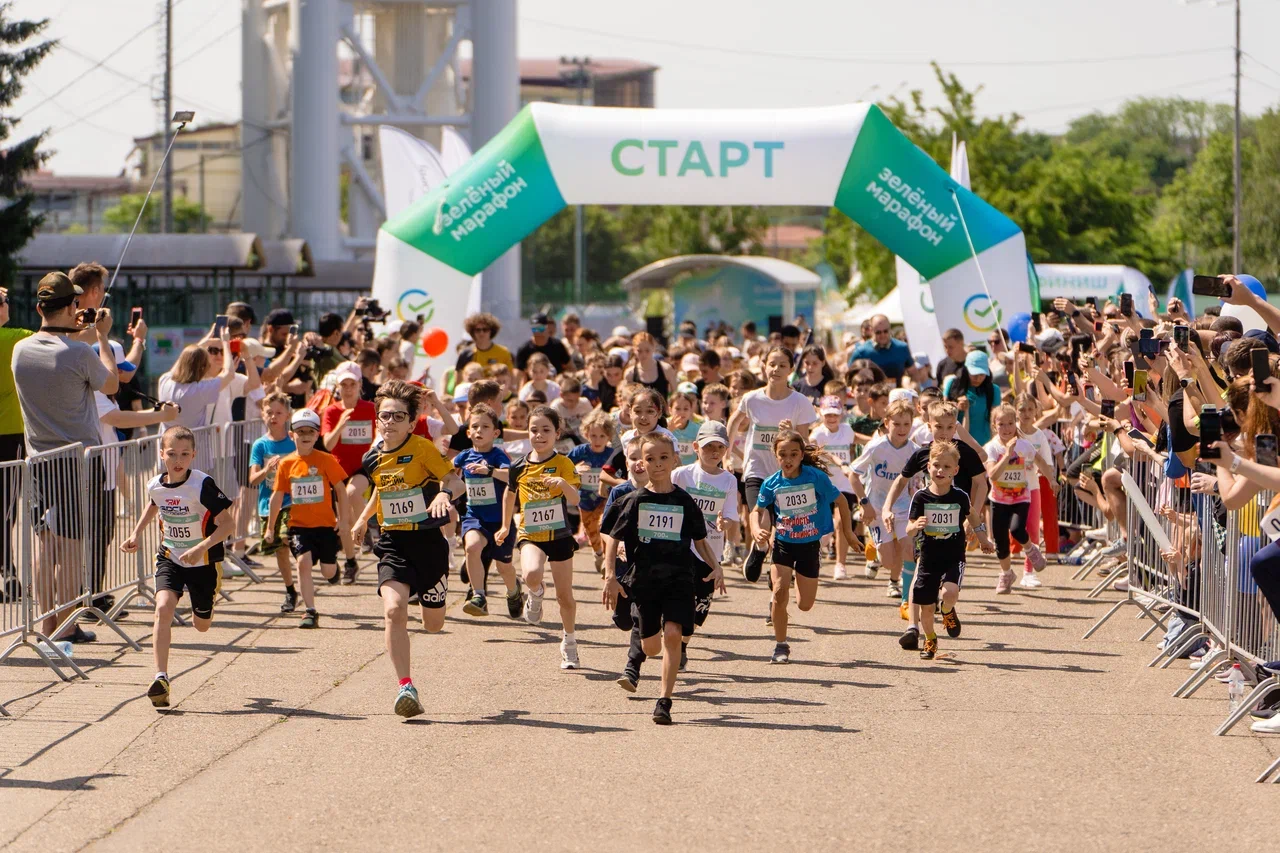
(460, 392)
(922, 360)
(621, 352)
(56, 285)
(902, 394)
(690, 361)
(347, 370)
(735, 353)
(279, 317)
(686, 388)
(122, 363)
(254, 348)
(976, 362)
(830, 405)
(1264, 335)
(620, 332)
(712, 431)
(304, 418)
(538, 322)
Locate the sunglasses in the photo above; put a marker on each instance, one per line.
(214, 350)
(393, 417)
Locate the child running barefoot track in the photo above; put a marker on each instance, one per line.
(413, 490)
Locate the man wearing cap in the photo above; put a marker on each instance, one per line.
(11, 448)
(541, 341)
(890, 355)
(55, 378)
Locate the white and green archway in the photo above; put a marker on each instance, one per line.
(553, 155)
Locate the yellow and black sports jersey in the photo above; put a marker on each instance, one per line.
(406, 479)
(543, 510)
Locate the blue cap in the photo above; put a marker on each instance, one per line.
(122, 364)
(976, 362)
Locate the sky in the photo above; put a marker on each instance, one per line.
(1048, 60)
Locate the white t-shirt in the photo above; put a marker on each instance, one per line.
(840, 445)
(110, 458)
(1044, 449)
(716, 494)
(220, 412)
(877, 468)
(552, 391)
(572, 418)
(764, 414)
(1013, 486)
(920, 433)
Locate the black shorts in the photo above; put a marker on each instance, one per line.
(666, 600)
(929, 581)
(203, 582)
(800, 556)
(419, 559)
(623, 618)
(320, 542)
(492, 551)
(557, 550)
(742, 489)
(703, 590)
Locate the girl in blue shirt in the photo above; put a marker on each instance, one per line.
(803, 498)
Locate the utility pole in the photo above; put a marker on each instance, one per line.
(579, 78)
(1236, 215)
(166, 216)
(204, 220)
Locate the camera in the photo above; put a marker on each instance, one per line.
(373, 312)
(87, 316)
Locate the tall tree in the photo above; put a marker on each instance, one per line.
(188, 216)
(20, 53)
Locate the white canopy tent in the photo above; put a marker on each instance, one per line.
(890, 306)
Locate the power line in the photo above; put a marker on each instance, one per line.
(845, 60)
(1110, 98)
(1260, 63)
(1261, 83)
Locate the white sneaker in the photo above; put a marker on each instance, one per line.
(533, 606)
(1098, 534)
(1267, 727)
(1030, 581)
(838, 572)
(894, 590)
(872, 568)
(230, 571)
(1121, 585)
(1115, 549)
(569, 653)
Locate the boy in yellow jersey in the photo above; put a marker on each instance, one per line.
(412, 492)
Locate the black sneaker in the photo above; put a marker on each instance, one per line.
(79, 635)
(781, 653)
(477, 605)
(349, 571)
(463, 575)
(951, 621)
(336, 579)
(515, 602)
(158, 692)
(930, 649)
(311, 620)
(630, 680)
(753, 565)
(662, 712)
(290, 602)
(910, 639)
(684, 658)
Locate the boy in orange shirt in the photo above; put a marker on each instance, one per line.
(314, 482)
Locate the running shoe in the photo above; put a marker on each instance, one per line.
(290, 602)
(533, 606)
(310, 620)
(477, 605)
(904, 610)
(781, 653)
(407, 704)
(753, 564)
(1030, 581)
(630, 680)
(569, 653)
(515, 602)
(232, 571)
(158, 692)
(1115, 549)
(871, 570)
(1035, 557)
(662, 712)
(349, 572)
(951, 621)
(249, 561)
(1121, 585)
(930, 648)
(463, 575)
(910, 639)
(1004, 583)
(1097, 534)
(839, 572)
(894, 589)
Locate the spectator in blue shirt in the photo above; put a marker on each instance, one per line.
(891, 356)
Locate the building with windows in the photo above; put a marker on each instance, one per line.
(613, 82)
(206, 169)
(75, 203)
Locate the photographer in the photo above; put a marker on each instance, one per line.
(56, 377)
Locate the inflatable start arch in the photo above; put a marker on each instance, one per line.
(553, 155)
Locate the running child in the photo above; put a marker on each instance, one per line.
(874, 472)
(1010, 467)
(802, 497)
(545, 484)
(347, 429)
(1044, 485)
(194, 521)
(659, 524)
(314, 481)
(940, 515)
(484, 468)
(413, 490)
(834, 437)
(264, 457)
(589, 460)
(539, 379)
(684, 424)
(623, 617)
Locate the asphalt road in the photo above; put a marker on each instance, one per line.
(1020, 736)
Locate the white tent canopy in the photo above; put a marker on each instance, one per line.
(890, 306)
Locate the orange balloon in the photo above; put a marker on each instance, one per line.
(435, 342)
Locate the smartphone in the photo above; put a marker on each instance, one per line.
(1182, 337)
(295, 329)
(1025, 347)
(1035, 321)
(1097, 326)
(1210, 432)
(1140, 386)
(1261, 369)
(1092, 300)
(1210, 285)
(1126, 304)
(1264, 449)
(219, 323)
(1108, 408)
(1074, 383)
(1089, 393)
(235, 347)
(135, 314)
(1128, 372)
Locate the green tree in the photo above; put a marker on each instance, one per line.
(655, 233)
(18, 57)
(188, 216)
(549, 250)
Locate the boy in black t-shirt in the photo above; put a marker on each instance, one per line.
(658, 523)
(940, 524)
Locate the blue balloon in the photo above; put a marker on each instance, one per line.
(1018, 327)
(1253, 284)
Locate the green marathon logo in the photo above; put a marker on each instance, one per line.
(415, 302)
(981, 314)
(633, 157)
